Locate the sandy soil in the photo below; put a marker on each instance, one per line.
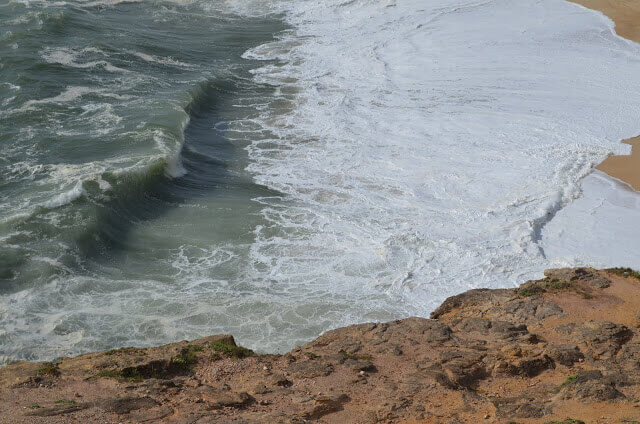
(626, 15)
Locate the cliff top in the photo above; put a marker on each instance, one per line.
(559, 349)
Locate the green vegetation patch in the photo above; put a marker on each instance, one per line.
(230, 350)
(527, 292)
(127, 374)
(571, 379)
(566, 421)
(65, 402)
(131, 374)
(49, 369)
(126, 350)
(625, 272)
(34, 406)
(108, 374)
(536, 287)
(187, 357)
(531, 288)
(559, 285)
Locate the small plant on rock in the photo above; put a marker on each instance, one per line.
(231, 350)
(187, 356)
(49, 369)
(625, 272)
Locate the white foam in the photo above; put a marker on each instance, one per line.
(12, 87)
(117, 2)
(66, 197)
(69, 57)
(431, 143)
(70, 94)
(161, 60)
(600, 228)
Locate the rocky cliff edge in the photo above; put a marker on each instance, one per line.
(564, 349)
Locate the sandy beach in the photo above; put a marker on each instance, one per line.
(625, 167)
(626, 15)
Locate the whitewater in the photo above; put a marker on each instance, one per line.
(277, 169)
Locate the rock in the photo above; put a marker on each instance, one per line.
(125, 405)
(603, 338)
(529, 367)
(590, 386)
(216, 398)
(565, 354)
(460, 369)
(310, 369)
(57, 410)
(279, 380)
(135, 364)
(495, 305)
(471, 299)
(422, 330)
(260, 389)
(519, 408)
(629, 355)
(589, 275)
(468, 325)
(507, 330)
(357, 365)
(499, 354)
(324, 405)
(153, 414)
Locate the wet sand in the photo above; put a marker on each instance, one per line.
(626, 15)
(625, 167)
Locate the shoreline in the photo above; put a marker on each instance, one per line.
(625, 167)
(564, 349)
(626, 16)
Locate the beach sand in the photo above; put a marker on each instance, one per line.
(625, 167)
(626, 15)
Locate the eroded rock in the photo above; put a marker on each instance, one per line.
(486, 355)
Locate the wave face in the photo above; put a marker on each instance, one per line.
(127, 216)
(175, 169)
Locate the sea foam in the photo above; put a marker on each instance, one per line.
(431, 143)
(405, 151)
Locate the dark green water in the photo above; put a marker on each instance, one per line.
(134, 139)
(127, 214)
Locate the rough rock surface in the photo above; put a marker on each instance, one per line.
(565, 347)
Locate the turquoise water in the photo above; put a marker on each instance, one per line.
(127, 214)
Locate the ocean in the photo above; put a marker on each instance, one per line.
(274, 169)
